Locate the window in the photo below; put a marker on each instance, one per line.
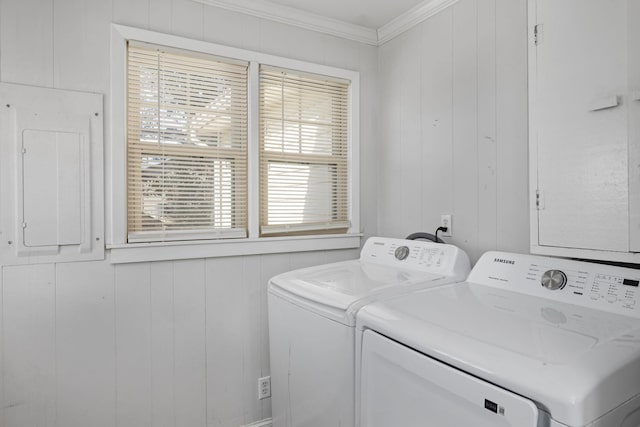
(186, 145)
(222, 151)
(303, 153)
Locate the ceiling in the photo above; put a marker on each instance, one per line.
(368, 21)
(367, 13)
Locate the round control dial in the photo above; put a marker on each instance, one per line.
(402, 252)
(553, 280)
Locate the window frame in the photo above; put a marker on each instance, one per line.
(116, 232)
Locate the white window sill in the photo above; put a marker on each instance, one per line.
(144, 252)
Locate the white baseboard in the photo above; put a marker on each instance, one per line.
(267, 422)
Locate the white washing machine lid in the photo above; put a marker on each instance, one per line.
(338, 290)
(335, 290)
(576, 362)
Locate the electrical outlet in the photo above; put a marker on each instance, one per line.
(264, 387)
(445, 221)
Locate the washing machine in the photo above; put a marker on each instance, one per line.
(312, 315)
(525, 341)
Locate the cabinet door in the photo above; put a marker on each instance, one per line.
(579, 123)
(634, 123)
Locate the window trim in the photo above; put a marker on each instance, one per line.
(116, 226)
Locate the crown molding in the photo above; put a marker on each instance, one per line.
(289, 15)
(299, 18)
(411, 18)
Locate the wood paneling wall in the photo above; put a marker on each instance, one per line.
(182, 343)
(178, 343)
(453, 124)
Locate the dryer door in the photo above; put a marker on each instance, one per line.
(402, 387)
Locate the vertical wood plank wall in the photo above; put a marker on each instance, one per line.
(453, 124)
(177, 343)
(182, 343)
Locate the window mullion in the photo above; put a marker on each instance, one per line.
(253, 149)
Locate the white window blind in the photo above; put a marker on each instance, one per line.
(186, 145)
(304, 137)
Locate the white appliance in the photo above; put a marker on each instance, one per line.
(526, 341)
(312, 323)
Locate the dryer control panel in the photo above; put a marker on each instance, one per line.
(415, 254)
(614, 289)
(604, 287)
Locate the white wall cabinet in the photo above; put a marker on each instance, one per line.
(634, 123)
(584, 125)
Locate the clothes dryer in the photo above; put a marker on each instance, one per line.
(312, 314)
(525, 341)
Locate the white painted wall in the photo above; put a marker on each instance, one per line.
(178, 343)
(454, 127)
(182, 343)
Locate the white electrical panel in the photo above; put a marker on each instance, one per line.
(51, 175)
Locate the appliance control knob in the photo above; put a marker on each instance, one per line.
(553, 279)
(402, 252)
